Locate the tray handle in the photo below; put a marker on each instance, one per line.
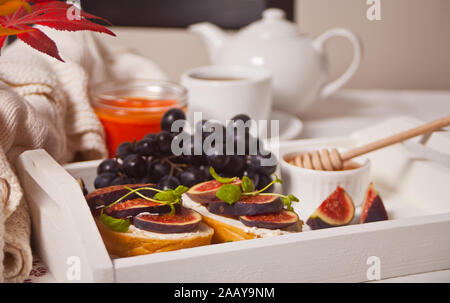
(69, 243)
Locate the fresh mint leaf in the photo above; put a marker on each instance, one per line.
(277, 180)
(180, 190)
(287, 201)
(115, 224)
(247, 185)
(167, 195)
(229, 193)
(218, 178)
(293, 198)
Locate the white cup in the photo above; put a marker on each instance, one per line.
(312, 187)
(221, 92)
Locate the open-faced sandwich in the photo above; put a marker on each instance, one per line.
(236, 211)
(139, 219)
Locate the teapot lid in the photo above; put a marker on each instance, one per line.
(273, 25)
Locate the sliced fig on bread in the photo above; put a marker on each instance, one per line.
(183, 221)
(278, 220)
(337, 210)
(102, 197)
(373, 208)
(205, 192)
(248, 206)
(134, 207)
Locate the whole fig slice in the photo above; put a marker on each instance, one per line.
(205, 192)
(248, 206)
(337, 210)
(102, 197)
(183, 221)
(278, 220)
(373, 208)
(134, 207)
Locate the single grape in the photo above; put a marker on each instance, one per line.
(104, 180)
(241, 117)
(205, 170)
(192, 176)
(264, 180)
(134, 166)
(254, 176)
(170, 117)
(158, 170)
(164, 140)
(108, 166)
(236, 165)
(121, 181)
(217, 158)
(256, 163)
(168, 182)
(124, 149)
(238, 121)
(148, 146)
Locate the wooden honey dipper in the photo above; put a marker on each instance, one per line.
(333, 160)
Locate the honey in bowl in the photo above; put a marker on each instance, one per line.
(348, 165)
(131, 109)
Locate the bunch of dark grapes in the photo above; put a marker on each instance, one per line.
(151, 160)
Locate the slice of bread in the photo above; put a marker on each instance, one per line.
(228, 229)
(140, 242)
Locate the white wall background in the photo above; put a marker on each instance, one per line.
(408, 49)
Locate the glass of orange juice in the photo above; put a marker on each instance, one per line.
(129, 109)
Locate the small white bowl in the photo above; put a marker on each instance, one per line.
(312, 187)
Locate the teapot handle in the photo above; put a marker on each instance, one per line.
(318, 45)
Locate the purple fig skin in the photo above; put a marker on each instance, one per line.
(134, 211)
(317, 223)
(320, 219)
(252, 222)
(205, 196)
(104, 196)
(240, 208)
(376, 212)
(165, 227)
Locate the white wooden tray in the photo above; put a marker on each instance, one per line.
(416, 193)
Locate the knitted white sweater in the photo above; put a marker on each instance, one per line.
(44, 103)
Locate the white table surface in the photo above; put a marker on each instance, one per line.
(349, 110)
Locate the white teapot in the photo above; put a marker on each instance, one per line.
(298, 63)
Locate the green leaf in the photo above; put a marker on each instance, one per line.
(167, 195)
(277, 180)
(293, 198)
(247, 185)
(219, 178)
(120, 225)
(229, 193)
(287, 201)
(180, 190)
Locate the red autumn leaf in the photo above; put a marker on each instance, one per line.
(40, 41)
(54, 14)
(2, 40)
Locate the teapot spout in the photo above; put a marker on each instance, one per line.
(213, 36)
